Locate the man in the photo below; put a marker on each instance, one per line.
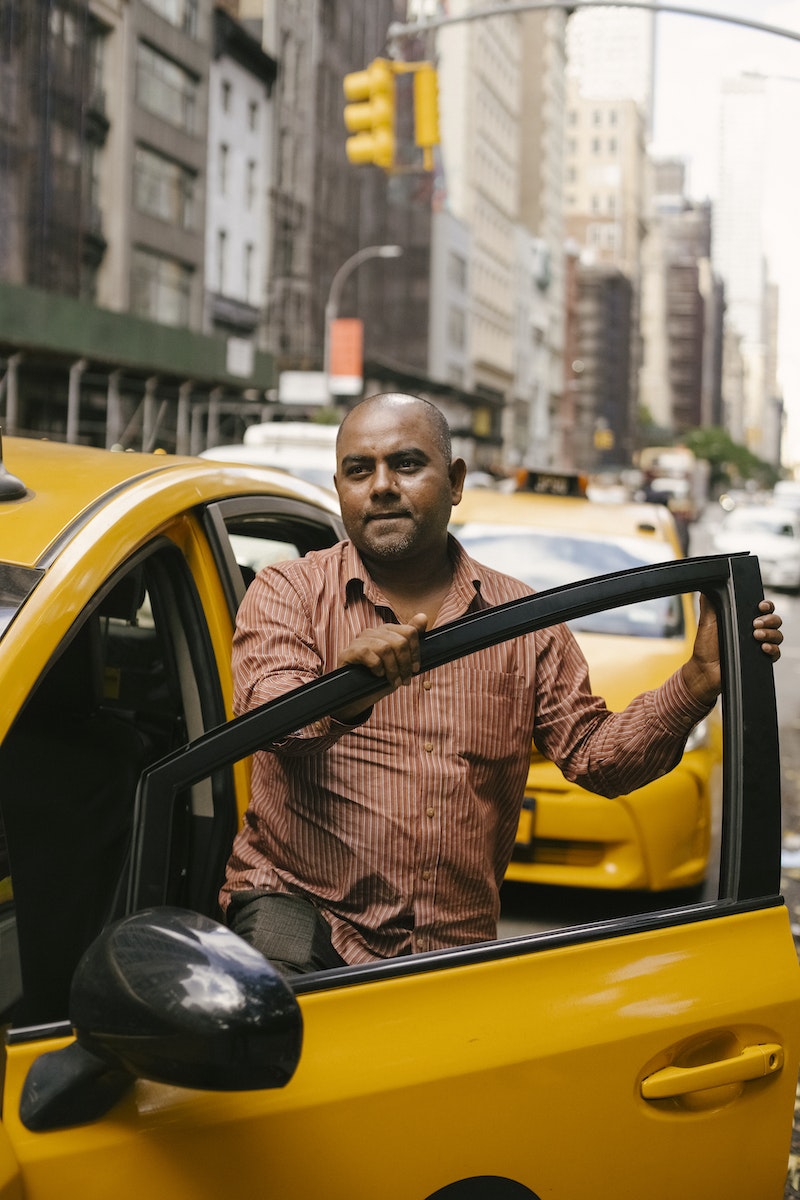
(387, 827)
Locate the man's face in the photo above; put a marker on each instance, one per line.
(395, 488)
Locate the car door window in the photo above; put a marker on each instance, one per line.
(627, 908)
(133, 681)
(251, 532)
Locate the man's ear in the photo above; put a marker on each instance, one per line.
(458, 471)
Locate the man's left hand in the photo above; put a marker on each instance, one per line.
(702, 673)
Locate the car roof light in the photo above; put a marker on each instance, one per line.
(552, 483)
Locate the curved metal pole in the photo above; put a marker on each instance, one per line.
(398, 31)
(334, 295)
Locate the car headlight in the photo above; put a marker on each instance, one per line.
(698, 738)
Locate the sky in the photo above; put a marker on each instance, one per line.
(693, 55)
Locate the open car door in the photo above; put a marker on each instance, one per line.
(654, 1054)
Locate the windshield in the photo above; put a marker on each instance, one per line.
(546, 559)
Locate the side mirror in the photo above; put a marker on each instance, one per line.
(173, 996)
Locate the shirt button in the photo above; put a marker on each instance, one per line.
(426, 874)
(430, 811)
(429, 746)
(426, 683)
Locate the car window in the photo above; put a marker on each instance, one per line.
(545, 560)
(251, 532)
(133, 681)
(16, 584)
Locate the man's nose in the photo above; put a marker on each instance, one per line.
(384, 478)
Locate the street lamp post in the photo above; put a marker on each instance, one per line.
(334, 295)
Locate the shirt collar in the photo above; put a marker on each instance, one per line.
(469, 579)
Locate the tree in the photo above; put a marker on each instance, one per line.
(732, 464)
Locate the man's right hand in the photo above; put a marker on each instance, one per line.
(391, 653)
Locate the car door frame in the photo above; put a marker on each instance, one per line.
(750, 858)
(299, 512)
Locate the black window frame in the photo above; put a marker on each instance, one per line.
(750, 851)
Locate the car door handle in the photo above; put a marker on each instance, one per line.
(754, 1062)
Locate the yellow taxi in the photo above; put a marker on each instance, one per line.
(150, 1052)
(662, 836)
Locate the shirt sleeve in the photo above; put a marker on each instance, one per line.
(274, 651)
(606, 752)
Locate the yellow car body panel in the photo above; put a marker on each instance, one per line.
(145, 494)
(660, 836)
(409, 1085)
(66, 481)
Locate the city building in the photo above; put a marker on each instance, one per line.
(739, 254)
(534, 414)
(102, 275)
(240, 125)
(479, 77)
(681, 310)
(610, 57)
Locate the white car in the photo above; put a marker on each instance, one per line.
(305, 449)
(770, 532)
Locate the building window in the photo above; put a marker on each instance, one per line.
(252, 116)
(180, 13)
(250, 184)
(163, 188)
(222, 169)
(97, 49)
(225, 96)
(64, 29)
(247, 264)
(457, 270)
(165, 89)
(222, 257)
(456, 327)
(160, 288)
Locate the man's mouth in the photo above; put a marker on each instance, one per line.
(387, 516)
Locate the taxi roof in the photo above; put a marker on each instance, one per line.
(566, 513)
(64, 482)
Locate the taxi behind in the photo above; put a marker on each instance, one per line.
(149, 1051)
(662, 836)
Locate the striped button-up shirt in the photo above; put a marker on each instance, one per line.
(400, 828)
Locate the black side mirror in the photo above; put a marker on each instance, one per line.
(168, 995)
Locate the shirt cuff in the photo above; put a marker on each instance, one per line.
(676, 707)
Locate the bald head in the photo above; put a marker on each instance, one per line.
(405, 404)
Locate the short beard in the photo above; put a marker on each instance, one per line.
(394, 549)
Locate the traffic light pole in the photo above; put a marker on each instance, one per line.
(398, 31)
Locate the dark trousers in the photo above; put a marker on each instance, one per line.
(288, 930)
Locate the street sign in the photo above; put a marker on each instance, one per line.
(346, 372)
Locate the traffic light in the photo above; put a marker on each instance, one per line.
(371, 118)
(426, 110)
